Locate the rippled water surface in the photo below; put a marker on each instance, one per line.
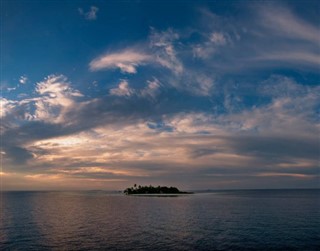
(233, 220)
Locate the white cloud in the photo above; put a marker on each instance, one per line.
(56, 97)
(218, 38)
(23, 80)
(152, 89)
(91, 14)
(11, 89)
(201, 51)
(162, 52)
(7, 106)
(211, 46)
(123, 89)
(53, 99)
(127, 61)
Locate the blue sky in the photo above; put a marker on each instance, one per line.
(196, 94)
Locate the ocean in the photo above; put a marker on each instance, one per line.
(222, 220)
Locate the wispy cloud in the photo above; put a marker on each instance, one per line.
(301, 58)
(91, 14)
(164, 50)
(127, 61)
(277, 36)
(285, 23)
(161, 52)
(122, 90)
(218, 38)
(298, 42)
(152, 88)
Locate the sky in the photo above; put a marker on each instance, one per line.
(104, 94)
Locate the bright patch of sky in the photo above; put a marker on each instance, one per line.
(195, 94)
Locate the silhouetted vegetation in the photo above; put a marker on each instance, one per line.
(153, 190)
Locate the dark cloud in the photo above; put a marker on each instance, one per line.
(17, 155)
(276, 147)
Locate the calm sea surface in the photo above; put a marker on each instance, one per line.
(233, 220)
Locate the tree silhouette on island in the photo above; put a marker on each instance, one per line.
(153, 190)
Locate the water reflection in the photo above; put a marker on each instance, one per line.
(100, 221)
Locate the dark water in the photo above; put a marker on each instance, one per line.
(238, 220)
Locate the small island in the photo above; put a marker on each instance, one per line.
(152, 190)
